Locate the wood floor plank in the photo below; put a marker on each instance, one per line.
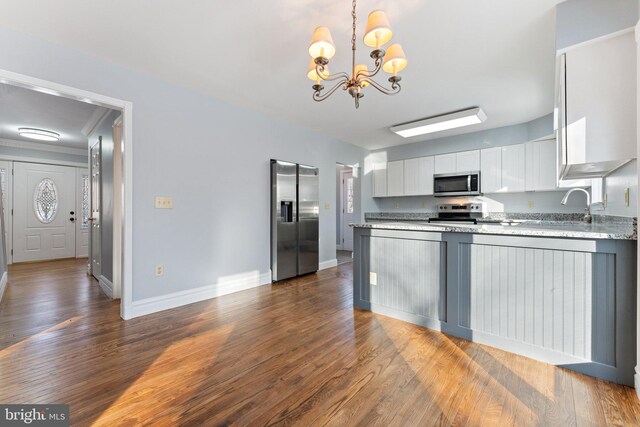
(294, 353)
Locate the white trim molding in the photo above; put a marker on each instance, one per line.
(328, 264)
(637, 31)
(124, 262)
(3, 284)
(106, 286)
(41, 146)
(223, 287)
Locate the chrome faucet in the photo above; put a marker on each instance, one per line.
(587, 210)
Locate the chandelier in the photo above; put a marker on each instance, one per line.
(377, 34)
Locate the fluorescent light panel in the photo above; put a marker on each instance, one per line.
(458, 119)
(39, 134)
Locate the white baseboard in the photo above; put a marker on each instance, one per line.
(106, 286)
(176, 299)
(328, 264)
(3, 284)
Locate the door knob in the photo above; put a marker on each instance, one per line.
(72, 219)
(72, 213)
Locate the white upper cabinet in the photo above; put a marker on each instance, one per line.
(467, 161)
(540, 168)
(491, 170)
(418, 176)
(597, 106)
(513, 168)
(380, 180)
(395, 178)
(445, 163)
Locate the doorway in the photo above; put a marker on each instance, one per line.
(51, 239)
(345, 212)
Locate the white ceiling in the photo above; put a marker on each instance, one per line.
(497, 54)
(26, 108)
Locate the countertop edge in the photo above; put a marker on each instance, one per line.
(509, 231)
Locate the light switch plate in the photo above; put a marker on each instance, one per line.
(159, 270)
(373, 278)
(164, 202)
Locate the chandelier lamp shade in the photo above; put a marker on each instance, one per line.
(377, 34)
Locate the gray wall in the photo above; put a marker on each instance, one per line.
(580, 20)
(210, 156)
(105, 130)
(615, 186)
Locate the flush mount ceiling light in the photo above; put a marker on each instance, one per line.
(39, 134)
(377, 34)
(458, 119)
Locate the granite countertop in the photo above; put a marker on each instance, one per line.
(568, 229)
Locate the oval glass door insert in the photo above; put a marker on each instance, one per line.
(45, 200)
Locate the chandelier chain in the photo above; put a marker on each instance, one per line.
(353, 36)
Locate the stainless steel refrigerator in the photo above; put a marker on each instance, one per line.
(294, 219)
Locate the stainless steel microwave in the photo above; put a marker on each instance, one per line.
(456, 184)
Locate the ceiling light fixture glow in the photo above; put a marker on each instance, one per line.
(39, 134)
(471, 116)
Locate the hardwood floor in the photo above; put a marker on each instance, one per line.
(292, 353)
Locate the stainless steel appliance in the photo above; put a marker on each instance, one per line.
(460, 213)
(456, 184)
(294, 219)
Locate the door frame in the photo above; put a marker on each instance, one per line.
(123, 176)
(341, 208)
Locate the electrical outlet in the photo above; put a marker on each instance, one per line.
(530, 204)
(424, 205)
(159, 270)
(373, 278)
(327, 205)
(397, 205)
(164, 202)
(626, 197)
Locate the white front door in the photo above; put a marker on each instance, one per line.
(83, 213)
(44, 212)
(347, 210)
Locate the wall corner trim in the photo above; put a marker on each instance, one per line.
(636, 382)
(637, 32)
(328, 264)
(106, 286)
(3, 284)
(190, 296)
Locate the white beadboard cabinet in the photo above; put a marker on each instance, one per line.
(445, 163)
(540, 168)
(380, 180)
(468, 161)
(491, 170)
(395, 178)
(513, 168)
(597, 106)
(418, 176)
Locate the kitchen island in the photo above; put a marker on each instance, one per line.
(562, 293)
